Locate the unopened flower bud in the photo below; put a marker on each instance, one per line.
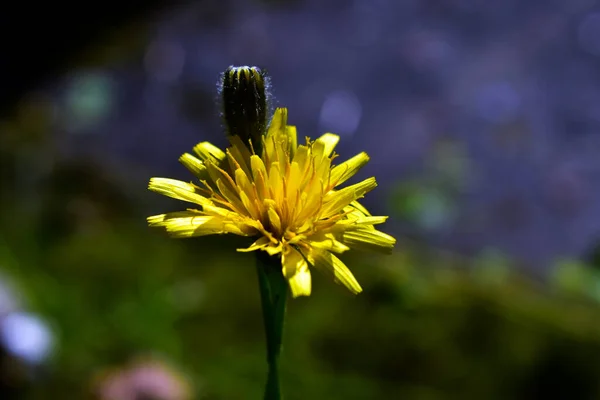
(245, 104)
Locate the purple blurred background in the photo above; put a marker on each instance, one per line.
(493, 107)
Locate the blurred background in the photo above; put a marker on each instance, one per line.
(482, 120)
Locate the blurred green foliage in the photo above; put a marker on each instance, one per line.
(428, 202)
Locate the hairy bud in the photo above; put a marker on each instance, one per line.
(245, 104)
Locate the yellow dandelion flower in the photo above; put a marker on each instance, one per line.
(287, 197)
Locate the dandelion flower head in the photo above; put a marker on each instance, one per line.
(285, 195)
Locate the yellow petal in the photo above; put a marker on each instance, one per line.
(275, 221)
(243, 183)
(159, 220)
(369, 240)
(247, 194)
(311, 200)
(232, 198)
(187, 192)
(239, 153)
(207, 151)
(268, 152)
(341, 173)
(190, 224)
(323, 171)
(329, 141)
(278, 123)
(259, 175)
(293, 187)
(324, 241)
(295, 270)
(273, 249)
(276, 183)
(194, 165)
(318, 150)
(178, 190)
(300, 284)
(336, 200)
(357, 218)
(301, 158)
(328, 263)
(259, 244)
(216, 173)
(359, 207)
(292, 140)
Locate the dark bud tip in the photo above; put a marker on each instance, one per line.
(245, 96)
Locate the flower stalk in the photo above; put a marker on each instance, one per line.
(273, 293)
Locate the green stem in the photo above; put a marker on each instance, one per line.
(273, 295)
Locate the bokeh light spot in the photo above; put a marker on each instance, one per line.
(89, 100)
(340, 113)
(26, 336)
